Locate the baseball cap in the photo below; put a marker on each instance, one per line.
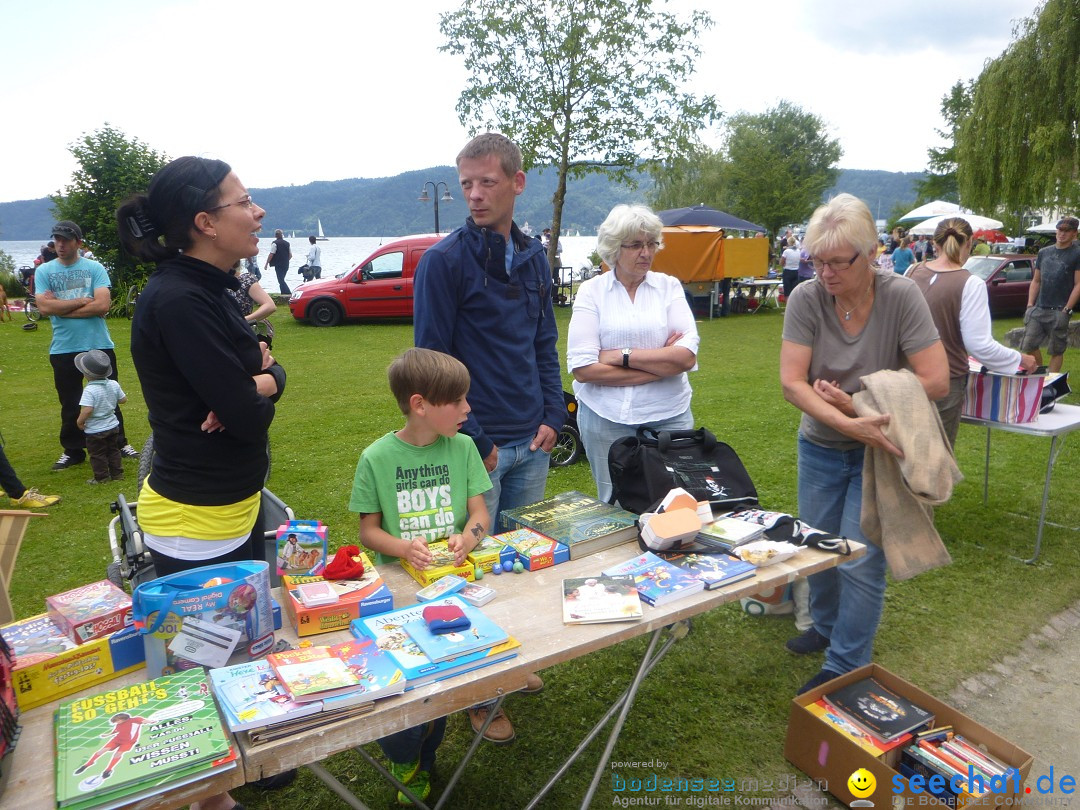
(1071, 223)
(66, 229)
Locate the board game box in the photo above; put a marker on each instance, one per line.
(90, 611)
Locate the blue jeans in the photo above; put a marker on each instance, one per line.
(518, 479)
(846, 601)
(598, 434)
(420, 742)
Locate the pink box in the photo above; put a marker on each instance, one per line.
(91, 611)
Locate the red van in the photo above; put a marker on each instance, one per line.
(381, 286)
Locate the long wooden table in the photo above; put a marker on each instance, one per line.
(528, 606)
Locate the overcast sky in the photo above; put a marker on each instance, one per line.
(291, 92)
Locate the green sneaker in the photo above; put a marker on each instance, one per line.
(404, 771)
(420, 787)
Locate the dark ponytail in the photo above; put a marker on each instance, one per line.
(159, 224)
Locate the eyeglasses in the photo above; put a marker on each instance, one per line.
(837, 267)
(637, 247)
(243, 202)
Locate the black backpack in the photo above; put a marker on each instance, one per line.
(645, 467)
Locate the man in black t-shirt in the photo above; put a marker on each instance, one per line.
(1053, 293)
(280, 253)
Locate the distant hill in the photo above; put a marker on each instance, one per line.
(388, 206)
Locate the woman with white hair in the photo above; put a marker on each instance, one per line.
(632, 338)
(850, 321)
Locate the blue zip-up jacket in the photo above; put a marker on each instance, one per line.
(502, 327)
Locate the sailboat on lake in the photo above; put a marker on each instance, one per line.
(321, 237)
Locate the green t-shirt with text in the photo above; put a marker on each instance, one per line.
(420, 491)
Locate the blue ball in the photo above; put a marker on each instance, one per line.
(508, 566)
(496, 569)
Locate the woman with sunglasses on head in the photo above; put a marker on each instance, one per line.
(961, 310)
(209, 385)
(632, 338)
(851, 320)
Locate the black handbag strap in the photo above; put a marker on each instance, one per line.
(665, 439)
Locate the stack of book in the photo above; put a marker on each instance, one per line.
(253, 696)
(657, 580)
(884, 718)
(583, 524)
(949, 755)
(121, 746)
(393, 632)
(714, 570)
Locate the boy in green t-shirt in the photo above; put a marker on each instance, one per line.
(423, 483)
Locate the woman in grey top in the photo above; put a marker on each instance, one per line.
(850, 321)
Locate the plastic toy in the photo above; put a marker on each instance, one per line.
(518, 567)
(507, 566)
(478, 572)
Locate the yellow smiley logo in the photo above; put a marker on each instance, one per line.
(861, 783)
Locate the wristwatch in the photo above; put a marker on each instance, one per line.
(1068, 310)
(626, 357)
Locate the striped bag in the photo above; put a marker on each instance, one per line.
(1009, 398)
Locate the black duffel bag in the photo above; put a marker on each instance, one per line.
(645, 467)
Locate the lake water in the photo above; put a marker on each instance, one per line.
(339, 254)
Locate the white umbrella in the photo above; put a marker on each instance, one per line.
(1046, 227)
(931, 209)
(977, 223)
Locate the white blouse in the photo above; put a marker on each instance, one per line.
(605, 318)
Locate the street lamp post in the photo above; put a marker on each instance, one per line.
(435, 198)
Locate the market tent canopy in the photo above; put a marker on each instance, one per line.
(1046, 227)
(977, 223)
(931, 209)
(704, 215)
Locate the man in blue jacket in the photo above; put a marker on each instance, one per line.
(483, 295)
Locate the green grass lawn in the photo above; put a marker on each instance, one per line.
(717, 706)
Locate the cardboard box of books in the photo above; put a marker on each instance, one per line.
(832, 750)
(355, 598)
(49, 665)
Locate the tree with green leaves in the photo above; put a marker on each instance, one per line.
(941, 182)
(582, 85)
(780, 164)
(111, 168)
(1020, 147)
(697, 177)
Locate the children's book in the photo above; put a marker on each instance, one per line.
(130, 741)
(731, 531)
(868, 742)
(580, 522)
(657, 580)
(715, 570)
(388, 632)
(878, 710)
(481, 634)
(378, 673)
(251, 696)
(476, 594)
(600, 599)
(312, 673)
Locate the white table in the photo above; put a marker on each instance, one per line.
(1057, 424)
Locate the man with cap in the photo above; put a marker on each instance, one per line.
(74, 292)
(1054, 291)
